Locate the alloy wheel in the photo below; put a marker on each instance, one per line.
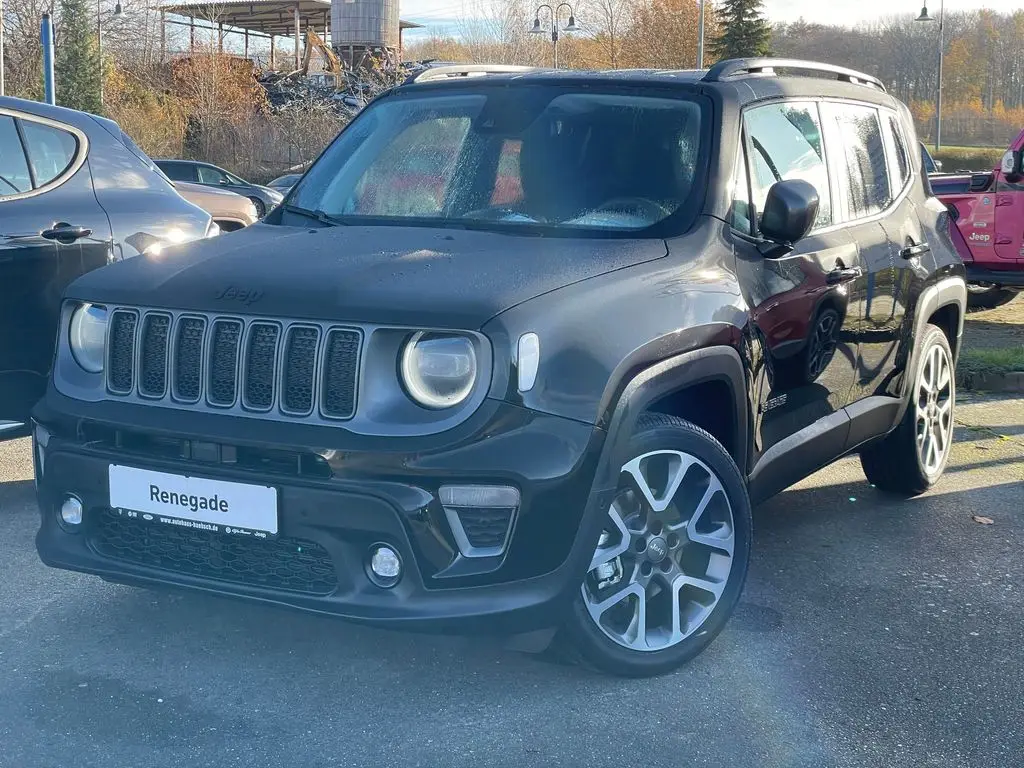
(936, 392)
(665, 554)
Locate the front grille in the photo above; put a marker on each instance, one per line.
(255, 365)
(260, 366)
(293, 565)
(223, 382)
(485, 528)
(153, 361)
(121, 351)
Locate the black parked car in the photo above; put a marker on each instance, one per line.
(541, 340)
(264, 198)
(75, 194)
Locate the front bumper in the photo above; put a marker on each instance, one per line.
(333, 505)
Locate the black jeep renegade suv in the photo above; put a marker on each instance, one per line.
(518, 353)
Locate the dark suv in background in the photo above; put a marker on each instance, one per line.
(542, 339)
(75, 194)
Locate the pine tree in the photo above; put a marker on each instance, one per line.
(77, 62)
(744, 31)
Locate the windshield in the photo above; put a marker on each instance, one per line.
(513, 156)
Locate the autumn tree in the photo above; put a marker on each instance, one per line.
(743, 31)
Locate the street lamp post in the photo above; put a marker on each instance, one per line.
(700, 36)
(99, 40)
(553, 13)
(938, 96)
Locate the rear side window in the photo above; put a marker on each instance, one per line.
(785, 143)
(14, 176)
(178, 171)
(50, 150)
(866, 178)
(902, 158)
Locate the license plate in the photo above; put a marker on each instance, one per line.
(194, 502)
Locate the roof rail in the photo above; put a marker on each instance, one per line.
(730, 68)
(464, 70)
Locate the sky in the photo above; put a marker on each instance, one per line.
(441, 13)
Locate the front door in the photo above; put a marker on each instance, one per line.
(52, 230)
(799, 307)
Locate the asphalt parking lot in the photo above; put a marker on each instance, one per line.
(873, 632)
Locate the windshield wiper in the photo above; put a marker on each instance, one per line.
(317, 215)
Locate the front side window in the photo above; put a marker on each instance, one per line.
(505, 157)
(210, 175)
(866, 178)
(14, 175)
(786, 143)
(50, 150)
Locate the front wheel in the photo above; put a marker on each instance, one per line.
(981, 296)
(672, 558)
(912, 458)
(261, 209)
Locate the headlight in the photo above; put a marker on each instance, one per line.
(438, 369)
(89, 336)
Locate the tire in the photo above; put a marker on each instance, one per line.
(261, 209)
(897, 463)
(989, 298)
(721, 530)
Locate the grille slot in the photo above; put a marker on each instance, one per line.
(299, 376)
(293, 565)
(341, 365)
(222, 386)
(121, 351)
(260, 366)
(153, 355)
(486, 528)
(188, 359)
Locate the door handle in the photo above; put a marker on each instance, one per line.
(65, 233)
(843, 275)
(913, 251)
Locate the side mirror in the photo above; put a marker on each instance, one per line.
(938, 165)
(1012, 165)
(789, 212)
(223, 182)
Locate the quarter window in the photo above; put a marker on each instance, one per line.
(50, 150)
(866, 180)
(14, 176)
(902, 159)
(786, 143)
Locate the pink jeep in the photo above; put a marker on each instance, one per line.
(988, 226)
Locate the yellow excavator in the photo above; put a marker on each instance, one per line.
(332, 63)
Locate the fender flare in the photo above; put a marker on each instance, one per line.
(716, 363)
(948, 291)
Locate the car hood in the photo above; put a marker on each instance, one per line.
(393, 275)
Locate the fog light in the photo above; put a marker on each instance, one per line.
(385, 565)
(71, 511)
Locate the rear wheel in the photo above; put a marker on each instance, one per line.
(912, 458)
(672, 558)
(984, 296)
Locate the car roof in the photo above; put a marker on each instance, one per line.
(83, 120)
(741, 80)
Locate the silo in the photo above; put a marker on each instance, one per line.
(360, 27)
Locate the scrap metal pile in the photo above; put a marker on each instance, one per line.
(344, 92)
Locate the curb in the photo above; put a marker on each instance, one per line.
(992, 382)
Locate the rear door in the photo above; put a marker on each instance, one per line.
(799, 307)
(51, 231)
(865, 197)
